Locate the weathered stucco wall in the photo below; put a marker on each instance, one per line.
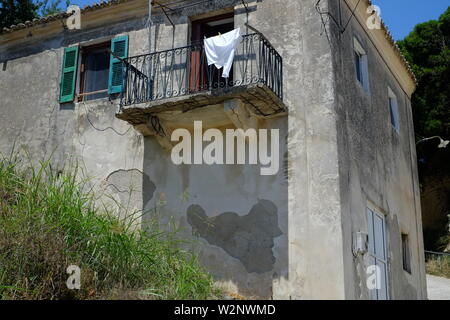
(377, 164)
(282, 236)
(315, 234)
(107, 150)
(311, 227)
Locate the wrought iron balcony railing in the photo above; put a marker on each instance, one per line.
(184, 71)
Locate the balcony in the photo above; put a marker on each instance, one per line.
(179, 80)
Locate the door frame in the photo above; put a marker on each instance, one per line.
(380, 213)
(198, 69)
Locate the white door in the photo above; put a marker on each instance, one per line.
(378, 252)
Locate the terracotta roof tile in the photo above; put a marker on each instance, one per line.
(57, 16)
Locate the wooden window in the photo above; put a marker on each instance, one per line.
(68, 75)
(119, 46)
(94, 73)
(100, 73)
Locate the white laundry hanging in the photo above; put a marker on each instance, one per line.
(220, 50)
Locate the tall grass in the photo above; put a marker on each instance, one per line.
(439, 266)
(47, 222)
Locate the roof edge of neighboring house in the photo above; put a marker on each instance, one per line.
(58, 16)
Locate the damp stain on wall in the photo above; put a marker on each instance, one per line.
(248, 238)
(132, 186)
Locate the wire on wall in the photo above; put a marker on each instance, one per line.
(333, 18)
(156, 125)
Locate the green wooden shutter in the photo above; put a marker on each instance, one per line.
(119, 46)
(68, 75)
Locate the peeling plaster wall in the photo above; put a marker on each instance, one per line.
(229, 212)
(376, 164)
(308, 253)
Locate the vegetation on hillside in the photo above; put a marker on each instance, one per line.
(427, 49)
(439, 266)
(47, 222)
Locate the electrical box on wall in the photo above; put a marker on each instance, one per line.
(360, 243)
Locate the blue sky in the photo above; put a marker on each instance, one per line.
(400, 15)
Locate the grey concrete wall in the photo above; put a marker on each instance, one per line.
(377, 164)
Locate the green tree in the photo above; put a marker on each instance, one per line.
(19, 11)
(16, 11)
(50, 7)
(427, 48)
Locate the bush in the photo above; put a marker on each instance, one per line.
(47, 222)
(439, 266)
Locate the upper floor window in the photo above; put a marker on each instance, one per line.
(361, 64)
(393, 110)
(92, 72)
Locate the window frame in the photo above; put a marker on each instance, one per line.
(373, 212)
(363, 63)
(394, 114)
(84, 51)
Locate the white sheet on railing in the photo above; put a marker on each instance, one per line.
(220, 50)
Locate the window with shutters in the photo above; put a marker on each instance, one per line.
(93, 71)
(119, 48)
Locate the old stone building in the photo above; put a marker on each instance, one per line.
(345, 195)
